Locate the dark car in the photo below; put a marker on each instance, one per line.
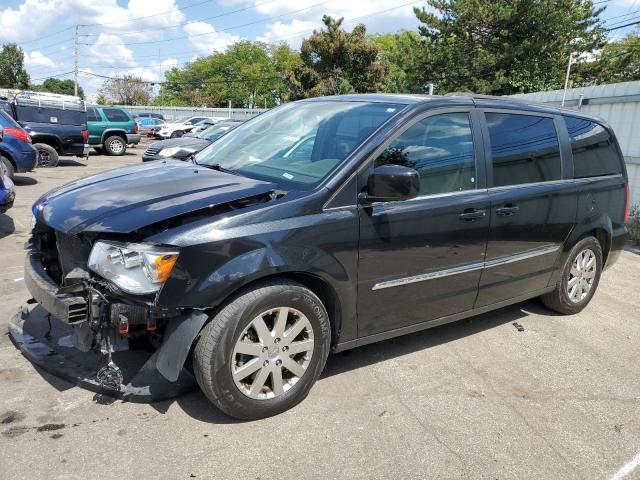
(56, 124)
(7, 193)
(182, 148)
(16, 150)
(248, 266)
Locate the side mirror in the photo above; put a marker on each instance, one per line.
(391, 183)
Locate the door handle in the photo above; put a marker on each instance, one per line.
(471, 214)
(507, 210)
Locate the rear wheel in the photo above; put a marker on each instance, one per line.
(8, 166)
(580, 278)
(115, 146)
(47, 155)
(177, 133)
(261, 354)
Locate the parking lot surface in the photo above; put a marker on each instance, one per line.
(479, 398)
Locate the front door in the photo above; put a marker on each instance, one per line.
(533, 205)
(421, 259)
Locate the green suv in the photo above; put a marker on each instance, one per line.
(111, 129)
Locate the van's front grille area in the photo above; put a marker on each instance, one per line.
(60, 252)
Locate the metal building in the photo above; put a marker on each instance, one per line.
(619, 105)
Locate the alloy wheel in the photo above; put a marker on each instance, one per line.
(116, 146)
(582, 275)
(44, 158)
(272, 353)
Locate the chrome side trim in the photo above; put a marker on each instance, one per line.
(423, 277)
(428, 276)
(522, 256)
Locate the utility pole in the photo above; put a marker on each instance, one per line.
(566, 80)
(75, 65)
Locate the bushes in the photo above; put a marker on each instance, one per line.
(634, 224)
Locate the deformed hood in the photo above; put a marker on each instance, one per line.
(130, 198)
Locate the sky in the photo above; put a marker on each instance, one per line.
(148, 37)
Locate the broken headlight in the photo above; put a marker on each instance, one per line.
(136, 268)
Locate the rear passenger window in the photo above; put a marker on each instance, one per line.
(524, 149)
(440, 148)
(594, 153)
(115, 115)
(92, 115)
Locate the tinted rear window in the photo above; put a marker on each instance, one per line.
(92, 115)
(524, 148)
(115, 115)
(54, 116)
(594, 152)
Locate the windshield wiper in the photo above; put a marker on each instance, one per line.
(216, 166)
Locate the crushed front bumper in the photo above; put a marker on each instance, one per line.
(142, 382)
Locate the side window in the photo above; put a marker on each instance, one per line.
(115, 115)
(594, 153)
(524, 149)
(92, 115)
(440, 148)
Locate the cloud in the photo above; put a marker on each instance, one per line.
(204, 39)
(37, 59)
(25, 22)
(377, 15)
(109, 50)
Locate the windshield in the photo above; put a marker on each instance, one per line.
(214, 132)
(297, 144)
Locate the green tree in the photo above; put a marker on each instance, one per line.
(338, 61)
(616, 62)
(12, 72)
(504, 46)
(248, 74)
(55, 85)
(401, 50)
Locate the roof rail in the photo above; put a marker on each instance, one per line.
(43, 99)
(480, 96)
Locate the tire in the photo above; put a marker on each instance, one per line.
(216, 355)
(11, 171)
(571, 299)
(47, 156)
(115, 146)
(177, 134)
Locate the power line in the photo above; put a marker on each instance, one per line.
(264, 20)
(225, 14)
(623, 26)
(146, 16)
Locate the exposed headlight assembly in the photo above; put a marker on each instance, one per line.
(170, 152)
(136, 268)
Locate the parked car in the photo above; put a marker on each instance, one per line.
(17, 153)
(159, 116)
(406, 213)
(203, 125)
(183, 147)
(7, 193)
(111, 129)
(146, 124)
(56, 124)
(177, 129)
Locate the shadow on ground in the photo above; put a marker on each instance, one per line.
(21, 181)
(7, 227)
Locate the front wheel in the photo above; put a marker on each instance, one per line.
(262, 353)
(580, 278)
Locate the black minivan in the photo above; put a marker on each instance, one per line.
(326, 224)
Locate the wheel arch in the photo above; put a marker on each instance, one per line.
(49, 140)
(115, 132)
(318, 285)
(8, 156)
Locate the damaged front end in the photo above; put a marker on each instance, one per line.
(93, 332)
